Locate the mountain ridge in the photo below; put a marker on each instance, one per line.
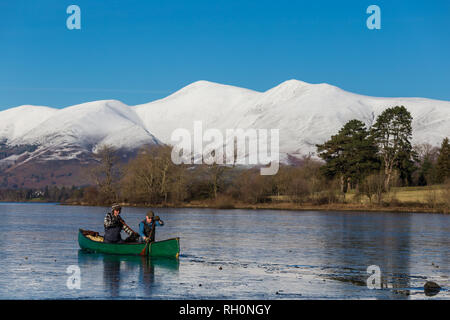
(305, 114)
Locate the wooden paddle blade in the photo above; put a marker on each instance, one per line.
(144, 251)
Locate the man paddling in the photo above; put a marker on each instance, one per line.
(147, 226)
(114, 224)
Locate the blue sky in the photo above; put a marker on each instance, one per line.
(139, 51)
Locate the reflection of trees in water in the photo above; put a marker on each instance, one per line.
(363, 240)
(395, 253)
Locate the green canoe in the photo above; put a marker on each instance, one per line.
(165, 248)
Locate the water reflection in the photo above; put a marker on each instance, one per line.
(127, 272)
(380, 240)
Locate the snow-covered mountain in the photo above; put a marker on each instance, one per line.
(15, 122)
(305, 114)
(90, 125)
(65, 134)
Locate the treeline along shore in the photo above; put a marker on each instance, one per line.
(358, 168)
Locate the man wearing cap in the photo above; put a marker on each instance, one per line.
(114, 224)
(147, 226)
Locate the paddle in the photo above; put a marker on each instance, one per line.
(144, 251)
(125, 225)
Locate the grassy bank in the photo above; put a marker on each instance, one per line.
(326, 207)
(288, 206)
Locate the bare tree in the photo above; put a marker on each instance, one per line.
(153, 178)
(215, 174)
(106, 174)
(373, 186)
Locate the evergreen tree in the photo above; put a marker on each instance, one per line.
(349, 155)
(362, 151)
(392, 133)
(405, 164)
(332, 151)
(443, 162)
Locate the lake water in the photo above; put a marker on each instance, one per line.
(227, 254)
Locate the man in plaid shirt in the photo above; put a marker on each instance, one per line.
(114, 224)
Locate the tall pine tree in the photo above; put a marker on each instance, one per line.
(443, 162)
(349, 155)
(392, 133)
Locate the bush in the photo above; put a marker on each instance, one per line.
(394, 202)
(373, 187)
(224, 202)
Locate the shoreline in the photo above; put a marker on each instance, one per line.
(287, 206)
(283, 206)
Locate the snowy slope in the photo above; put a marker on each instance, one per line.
(305, 114)
(216, 105)
(65, 134)
(311, 113)
(15, 122)
(91, 124)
